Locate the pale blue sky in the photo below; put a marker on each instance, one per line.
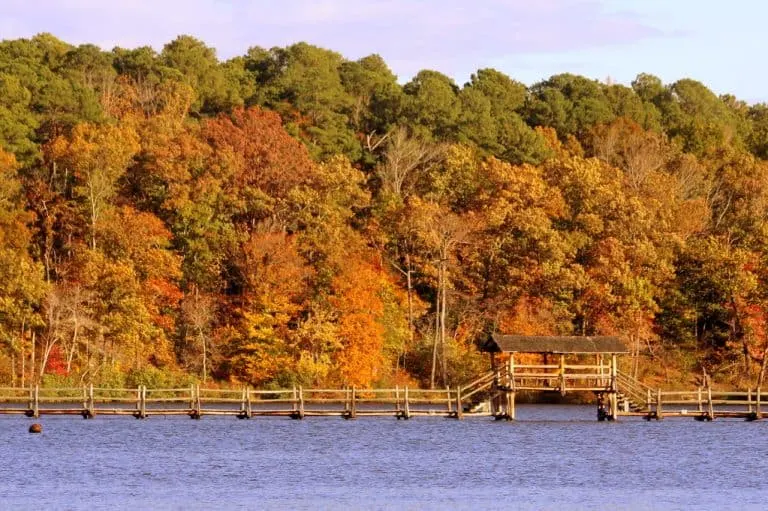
(719, 43)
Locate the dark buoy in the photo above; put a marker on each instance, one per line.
(36, 428)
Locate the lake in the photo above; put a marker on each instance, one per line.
(553, 457)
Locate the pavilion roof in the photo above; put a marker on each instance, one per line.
(498, 343)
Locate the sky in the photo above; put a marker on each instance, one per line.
(719, 43)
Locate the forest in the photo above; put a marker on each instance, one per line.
(290, 216)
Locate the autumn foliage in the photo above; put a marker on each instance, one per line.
(290, 217)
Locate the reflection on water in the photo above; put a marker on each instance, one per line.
(552, 457)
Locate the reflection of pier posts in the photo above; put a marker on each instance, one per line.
(602, 415)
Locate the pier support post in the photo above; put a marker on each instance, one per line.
(297, 406)
(33, 406)
(659, 412)
(89, 408)
(197, 406)
(700, 402)
(245, 404)
(301, 402)
(751, 414)
(294, 403)
(648, 403)
(141, 402)
(354, 403)
(407, 410)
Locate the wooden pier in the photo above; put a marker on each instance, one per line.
(702, 404)
(244, 403)
(491, 395)
(582, 364)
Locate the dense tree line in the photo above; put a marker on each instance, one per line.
(291, 216)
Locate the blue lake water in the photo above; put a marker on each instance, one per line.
(553, 457)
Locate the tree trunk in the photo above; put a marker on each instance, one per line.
(763, 365)
(93, 217)
(444, 282)
(437, 335)
(205, 354)
(33, 361)
(411, 333)
(44, 360)
(73, 347)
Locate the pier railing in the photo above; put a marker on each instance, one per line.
(196, 401)
(561, 378)
(491, 394)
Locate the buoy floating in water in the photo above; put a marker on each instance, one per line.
(36, 428)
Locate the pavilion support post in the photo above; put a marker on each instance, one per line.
(562, 374)
(614, 395)
(600, 373)
(494, 401)
(512, 371)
